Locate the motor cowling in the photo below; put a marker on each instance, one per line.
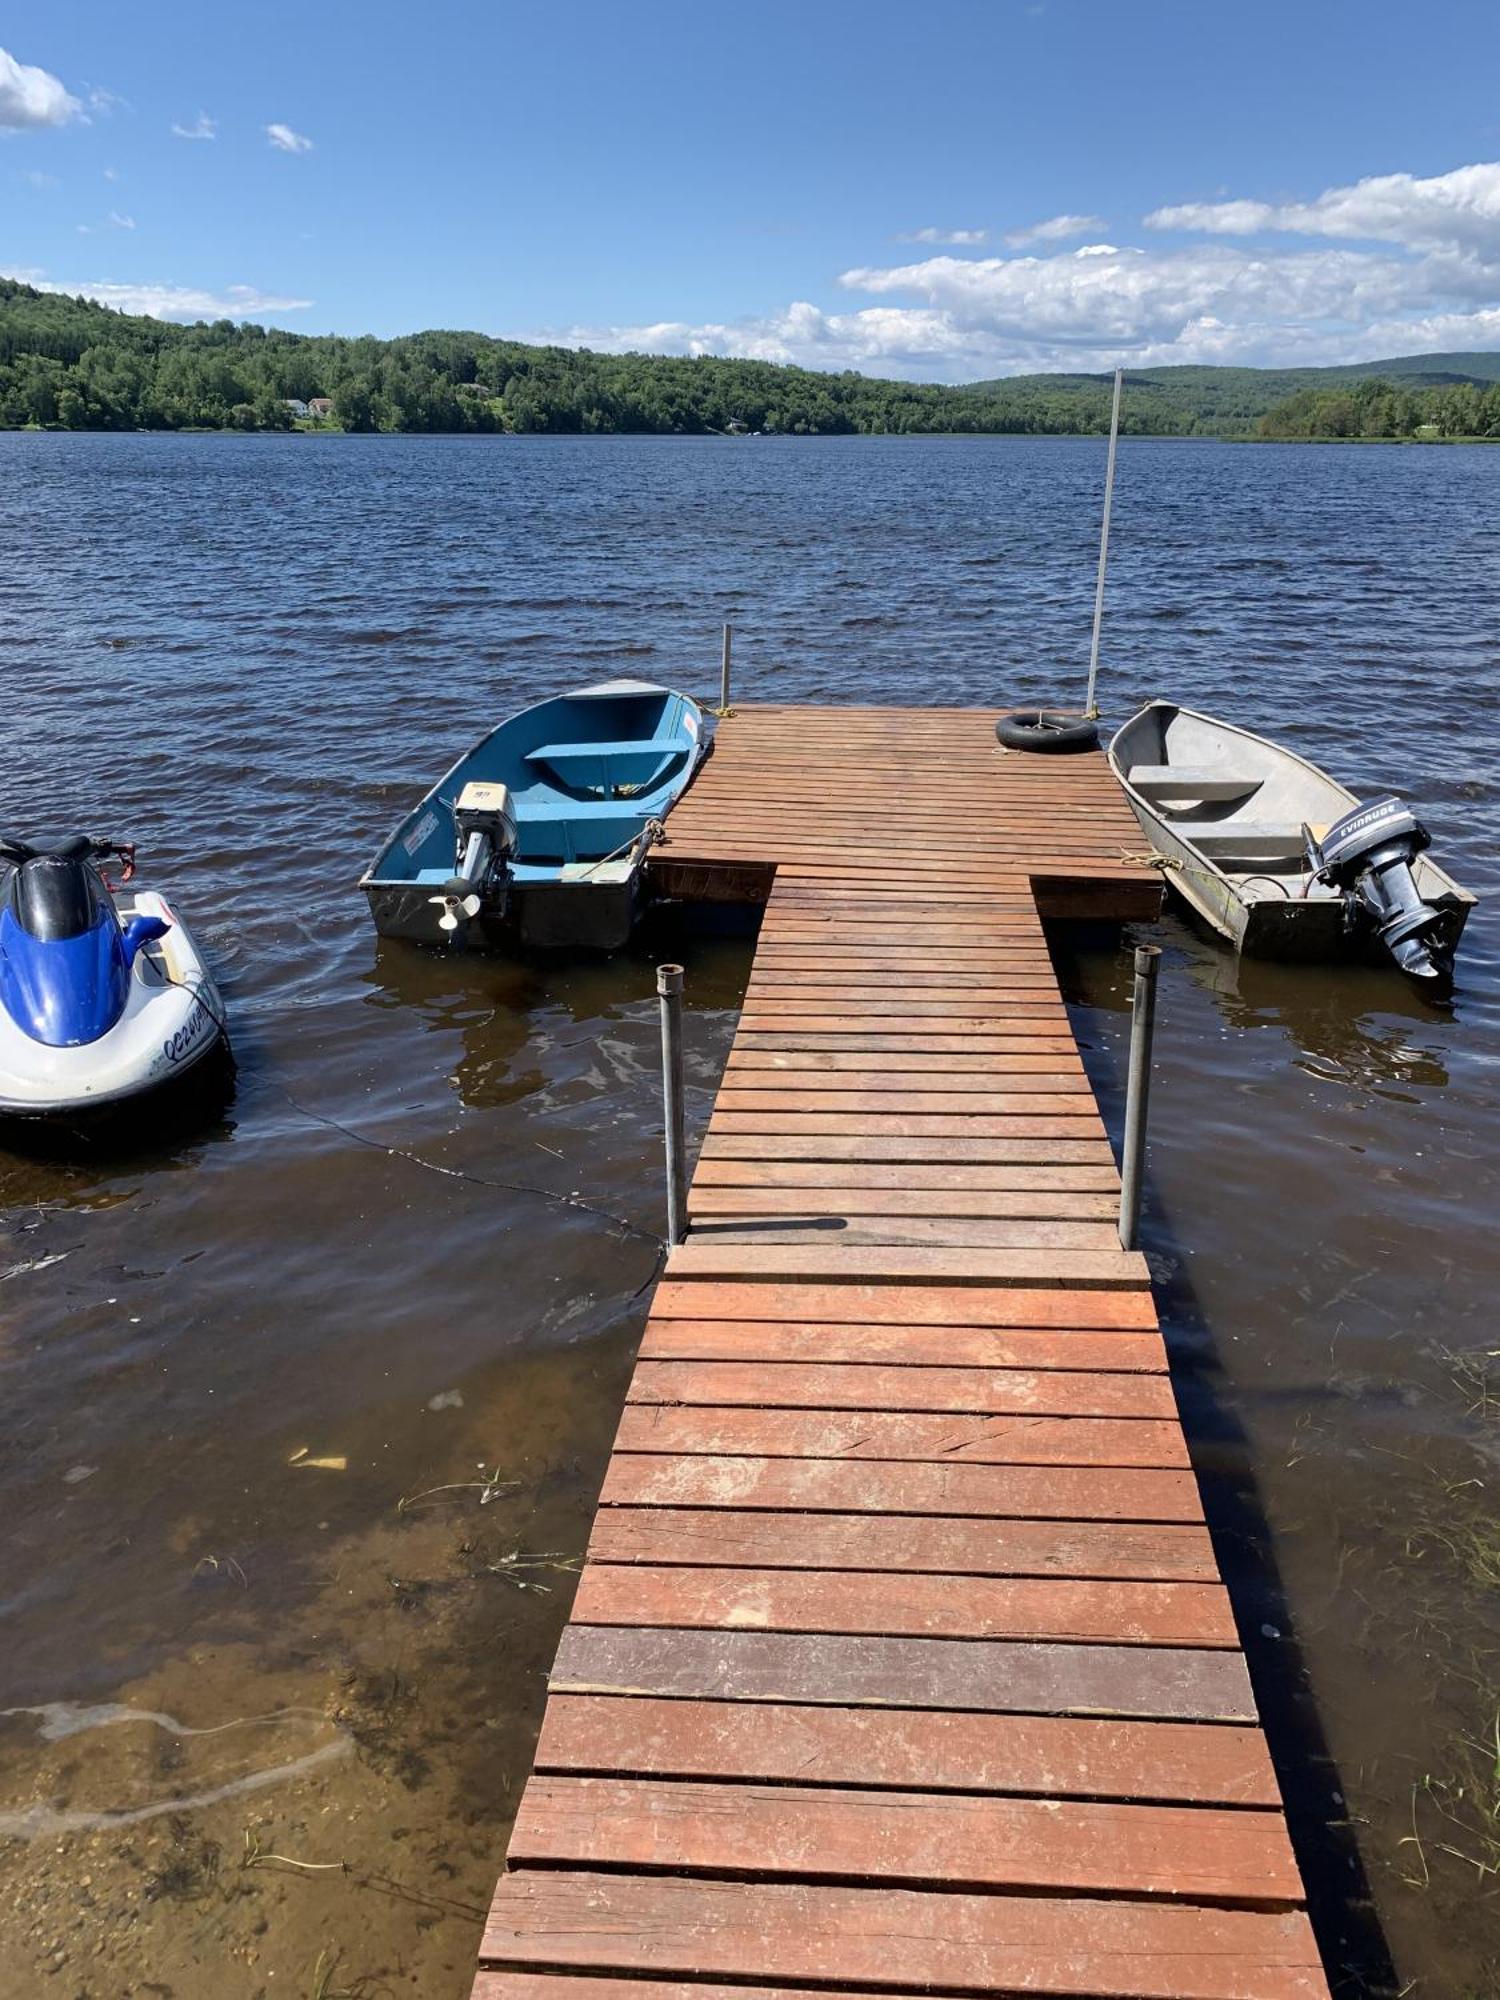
(1368, 856)
(486, 841)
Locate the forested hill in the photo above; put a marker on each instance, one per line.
(75, 365)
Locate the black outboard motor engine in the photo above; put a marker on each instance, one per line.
(1368, 856)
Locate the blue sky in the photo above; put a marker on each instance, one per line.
(835, 184)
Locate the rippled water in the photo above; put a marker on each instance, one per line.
(285, 1397)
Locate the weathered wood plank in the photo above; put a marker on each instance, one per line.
(1193, 1854)
(1046, 1756)
(795, 1385)
(659, 1924)
(1086, 1611)
(710, 1201)
(1084, 1270)
(1177, 1683)
(854, 1485)
(905, 1305)
(924, 1184)
(954, 1439)
(943, 1545)
(948, 1232)
(1009, 1149)
(829, 1341)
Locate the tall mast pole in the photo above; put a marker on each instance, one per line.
(1092, 707)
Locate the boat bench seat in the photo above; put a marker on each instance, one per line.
(1179, 781)
(575, 809)
(1222, 842)
(593, 753)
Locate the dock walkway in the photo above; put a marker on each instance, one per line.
(901, 1662)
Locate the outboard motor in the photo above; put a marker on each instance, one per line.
(65, 960)
(485, 822)
(1368, 855)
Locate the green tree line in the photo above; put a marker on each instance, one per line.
(72, 364)
(1377, 408)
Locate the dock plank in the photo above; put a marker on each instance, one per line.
(769, 1931)
(1043, 1756)
(941, 1545)
(863, 1485)
(897, 1603)
(1025, 1677)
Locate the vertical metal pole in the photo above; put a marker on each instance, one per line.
(724, 674)
(1091, 706)
(669, 991)
(1137, 1092)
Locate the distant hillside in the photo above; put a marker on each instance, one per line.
(1229, 402)
(72, 364)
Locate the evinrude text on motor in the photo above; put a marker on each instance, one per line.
(100, 1000)
(1367, 856)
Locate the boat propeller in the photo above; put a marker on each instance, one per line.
(458, 903)
(1367, 855)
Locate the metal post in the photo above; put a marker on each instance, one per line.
(669, 991)
(1091, 706)
(724, 674)
(1137, 1091)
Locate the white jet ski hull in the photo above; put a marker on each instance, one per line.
(173, 1018)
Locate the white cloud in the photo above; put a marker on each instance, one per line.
(105, 101)
(972, 236)
(1458, 210)
(111, 173)
(1056, 229)
(34, 177)
(175, 302)
(31, 97)
(1418, 268)
(285, 140)
(118, 221)
(202, 127)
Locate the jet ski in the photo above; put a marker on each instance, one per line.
(102, 996)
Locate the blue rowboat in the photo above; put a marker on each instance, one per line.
(540, 832)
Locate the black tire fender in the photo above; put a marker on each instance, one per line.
(1046, 729)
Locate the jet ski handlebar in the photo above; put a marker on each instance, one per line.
(77, 847)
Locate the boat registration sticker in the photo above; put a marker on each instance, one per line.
(425, 825)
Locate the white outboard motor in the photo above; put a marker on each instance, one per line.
(1368, 856)
(487, 838)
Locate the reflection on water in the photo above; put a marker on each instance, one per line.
(306, 1405)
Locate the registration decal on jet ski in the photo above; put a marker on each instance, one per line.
(189, 1035)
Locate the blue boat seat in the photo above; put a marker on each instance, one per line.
(630, 746)
(637, 763)
(576, 830)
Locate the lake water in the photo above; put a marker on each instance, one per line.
(286, 1397)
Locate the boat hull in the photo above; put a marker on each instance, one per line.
(539, 916)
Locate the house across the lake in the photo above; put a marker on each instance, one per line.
(296, 405)
(320, 407)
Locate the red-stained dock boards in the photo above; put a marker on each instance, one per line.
(900, 1662)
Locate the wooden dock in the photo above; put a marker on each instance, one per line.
(901, 1662)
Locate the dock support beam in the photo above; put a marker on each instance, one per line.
(669, 992)
(724, 671)
(1138, 1091)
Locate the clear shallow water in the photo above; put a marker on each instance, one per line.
(227, 1363)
